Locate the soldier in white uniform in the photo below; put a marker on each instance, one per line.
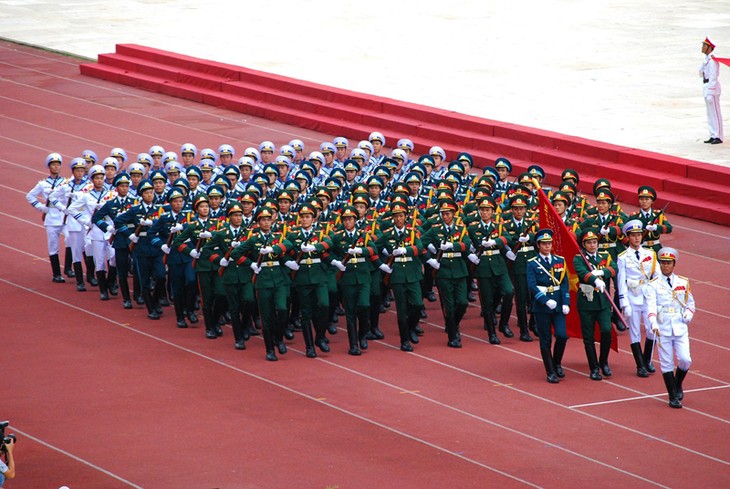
(711, 90)
(52, 217)
(636, 266)
(671, 308)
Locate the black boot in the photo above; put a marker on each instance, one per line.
(504, 319)
(648, 344)
(179, 316)
(320, 321)
(592, 361)
(306, 328)
(161, 292)
(102, 281)
(363, 320)
(353, 339)
(671, 385)
(375, 333)
(149, 303)
(547, 360)
(79, 274)
(189, 309)
(413, 318)
(605, 349)
(137, 289)
(111, 281)
(269, 343)
(239, 341)
(280, 318)
(56, 269)
(639, 359)
(525, 333)
(678, 379)
(124, 289)
(68, 267)
(491, 330)
(89, 261)
(558, 351)
(209, 326)
(405, 338)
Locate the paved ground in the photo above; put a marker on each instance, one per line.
(618, 71)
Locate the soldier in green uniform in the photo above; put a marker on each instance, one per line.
(403, 246)
(490, 268)
(654, 221)
(594, 269)
(353, 252)
(448, 242)
(266, 252)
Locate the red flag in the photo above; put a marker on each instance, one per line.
(565, 245)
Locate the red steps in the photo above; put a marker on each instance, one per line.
(695, 189)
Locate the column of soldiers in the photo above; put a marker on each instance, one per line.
(277, 244)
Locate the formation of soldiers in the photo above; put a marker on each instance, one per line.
(276, 243)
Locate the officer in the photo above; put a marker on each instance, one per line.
(594, 268)
(654, 222)
(503, 185)
(548, 283)
(636, 267)
(711, 90)
(671, 308)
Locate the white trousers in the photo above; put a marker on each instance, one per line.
(53, 235)
(668, 347)
(714, 116)
(76, 241)
(102, 252)
(638, 314)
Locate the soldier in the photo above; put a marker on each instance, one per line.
(671, 308)
(711, 90)
(52, 217)
(636, 267)
(654, 222)
(594, 305)
(502, 186)
(448, 241)
(546, 277)
(490, 267)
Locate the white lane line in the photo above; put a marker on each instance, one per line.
(625, 399)
(696, 231)
(76, 457)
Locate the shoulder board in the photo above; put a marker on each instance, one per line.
(532, 259)
(654, 279)
(623, 253)
(558, 256)
(683, 278)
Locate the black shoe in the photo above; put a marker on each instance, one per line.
(288, 334)
(218, 330)
(92, 281)
(332, 329)
(714, 141)
(335, 319)
(471, 297)
(271, 356)
(473, 286)
(210, 334)
(552, 378)
(104, 296)
(406, 346)
(378, 334)
(422, 314)
(158, 309)
(430, 296)
(381, 309)
(69, 273)
(710, 140)
(414, 337)
(354, 351)
(455, 343)
(296, 325)
(281, 346)
(192, 317)
(80, 287)
(339, 311)
(370, 336)
(255, 332)
(114, 290)
(595, 375)
(606, 370)
(326, 340)
(620, 326)
(418, 330)
(58, 279)
(525, 337)
(363, 344)
(674, 403)
(322, 345)
(559, 371)
(311, 353)
(227, 317)
(139, 300)
(181, 323)
(240, 345)
(127, 304)
(642, 372)
(504, 329)
(494, 339)
(164, 302)
(650, 368)
(154, 315)
(386, 303)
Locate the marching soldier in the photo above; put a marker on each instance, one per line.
(546, 277)
(654, 221)
(671, 308)
(594, 305)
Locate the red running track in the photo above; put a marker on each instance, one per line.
(103, 398)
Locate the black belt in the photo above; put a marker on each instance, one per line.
(705, 80)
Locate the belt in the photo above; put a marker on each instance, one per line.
(143, 233)
(650, 243)
(525, 249)
(490, 252)
(356, 260)
(547, 290)
(669, 310)
(455, 254)
(403, 259)
(607, 245)
(265, 264)
(310, 261)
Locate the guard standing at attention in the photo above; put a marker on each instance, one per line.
(711, 90)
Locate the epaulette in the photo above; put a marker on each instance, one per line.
(558, 256)
(654, 279)
(622, 253)
(532, 259)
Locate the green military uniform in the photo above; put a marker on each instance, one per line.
(652, 217)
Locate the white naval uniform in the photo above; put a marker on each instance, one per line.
(82, 209)
(53, 220)
(63, 197)
(711, 90)
(633, 273)
(671, 309)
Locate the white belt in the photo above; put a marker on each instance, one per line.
(455, 254)
(490, 252)
(310, 261)
(525, 249)
(265, 264)
(356, 260)
(403, 259)
(650, 243)
(143, 233)
(607, 245)
(547, 290)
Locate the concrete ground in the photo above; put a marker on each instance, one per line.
(624, 72)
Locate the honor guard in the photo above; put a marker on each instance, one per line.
(655, 222)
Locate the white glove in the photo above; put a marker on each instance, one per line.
(195, 254)
(448, 245)
(44, 209)
(473, 258)
(110, 228)
(145, 222)
(399, 251)
(433, 263)
(176, 228)
(566, 310)
(511, 255)
(687, 317)
(597, 272)
(651, 227)
(654, 326)
(600, 285)
(165, 249)
(292, 264)
(355, 251)
(385, 268)
(133, 238)
(307, 248)
(61, 208)
(235, 244)
(266, 250)
(627, 311)
(524, 239)
(431, 248)
(488, 243)
(224, 262)
(552, 304)
(605, 230)
(339, 265)
(205, 235)
(256, 269)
